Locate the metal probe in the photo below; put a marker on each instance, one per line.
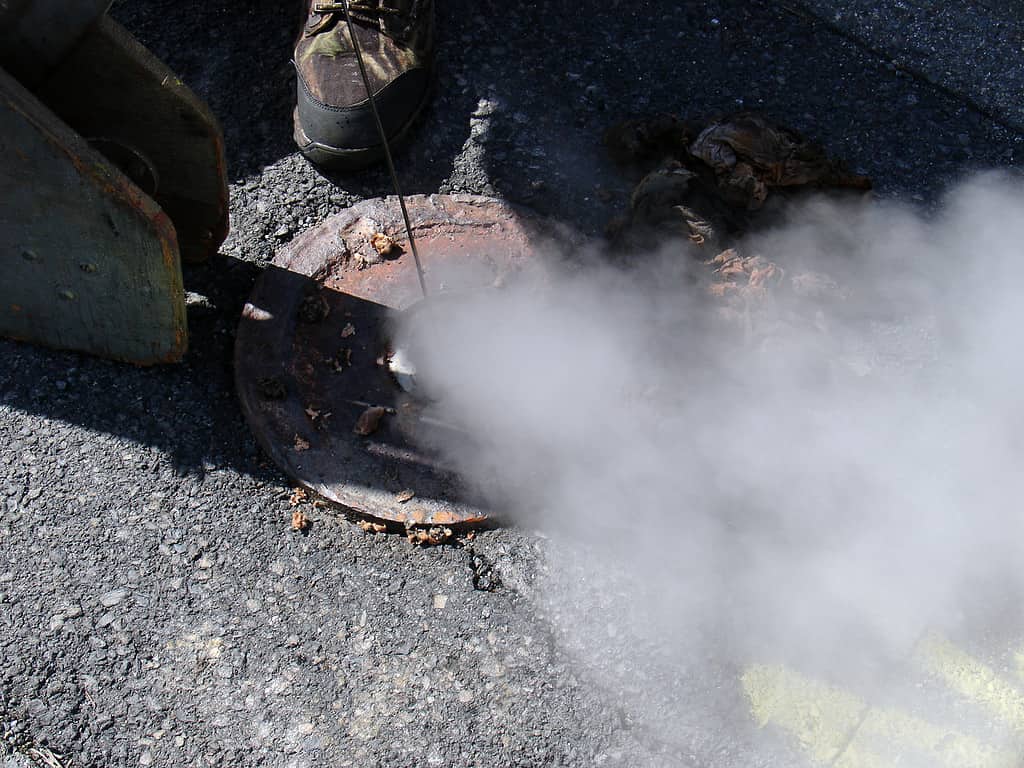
(387, 147)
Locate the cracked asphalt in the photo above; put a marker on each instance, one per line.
(156, 608)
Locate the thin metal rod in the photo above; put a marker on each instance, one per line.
(387, 148)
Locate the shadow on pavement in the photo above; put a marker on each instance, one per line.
(187, 411)
(191, 413)
(592, 66)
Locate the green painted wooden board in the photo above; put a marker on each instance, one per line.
(88, 261)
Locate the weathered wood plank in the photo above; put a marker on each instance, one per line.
(88, 261)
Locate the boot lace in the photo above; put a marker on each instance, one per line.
(394, 22)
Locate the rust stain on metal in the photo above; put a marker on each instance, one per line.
(466, 242)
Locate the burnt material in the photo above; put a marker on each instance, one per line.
(317, 326)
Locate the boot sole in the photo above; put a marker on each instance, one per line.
(356, 158)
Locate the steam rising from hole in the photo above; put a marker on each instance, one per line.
(817, 483)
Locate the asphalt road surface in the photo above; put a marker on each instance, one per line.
(156, 608)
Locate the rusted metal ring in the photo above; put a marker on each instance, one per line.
(310, 341)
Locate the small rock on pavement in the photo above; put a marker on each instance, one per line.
(113, 597)
(198, 304)
(440, 601)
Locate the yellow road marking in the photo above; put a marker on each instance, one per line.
(824, 721)
(821, 718)
(973, 680)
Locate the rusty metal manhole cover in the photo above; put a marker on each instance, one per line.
(311, 338)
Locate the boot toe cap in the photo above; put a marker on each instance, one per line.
(349, 131)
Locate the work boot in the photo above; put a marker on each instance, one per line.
(334, 125)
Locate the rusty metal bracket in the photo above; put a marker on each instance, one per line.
(112, 171)
(90, 262)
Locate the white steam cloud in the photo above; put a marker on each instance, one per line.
(823, 481)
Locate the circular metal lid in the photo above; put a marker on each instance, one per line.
(312, 350)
